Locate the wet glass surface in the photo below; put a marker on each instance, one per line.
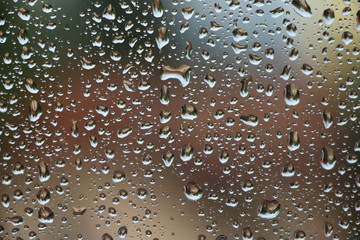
(179, 119)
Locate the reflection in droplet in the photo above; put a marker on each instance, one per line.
(122, 232)
(245, 82)
(247, 233)
(328, 229)
(118, 176)
(35, 111)
(293, 141)
(269, 209)
(187, 152)
(189, 111)
(163, 37)
(109, 12)
(299, 235)
(168, 158)
(193, 191)
(327, 119)
(43, 196)
(347, 37)
(302, 8)
(328, 159)
(292, 95)
(239, 34)
(79, 211)
(288, 170)
(329, 16)
(106, 236)
(182, 73)
(46, 215)
(157, 8)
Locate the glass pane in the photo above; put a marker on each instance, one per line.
(179, 119)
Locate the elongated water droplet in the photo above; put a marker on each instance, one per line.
(293, 141)
(35, 111)
(328, 159)
(327, 119)
(302, 8)
(328, 229)
(292, 95)
(157, 8)
(329, 16)
(163, 37)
